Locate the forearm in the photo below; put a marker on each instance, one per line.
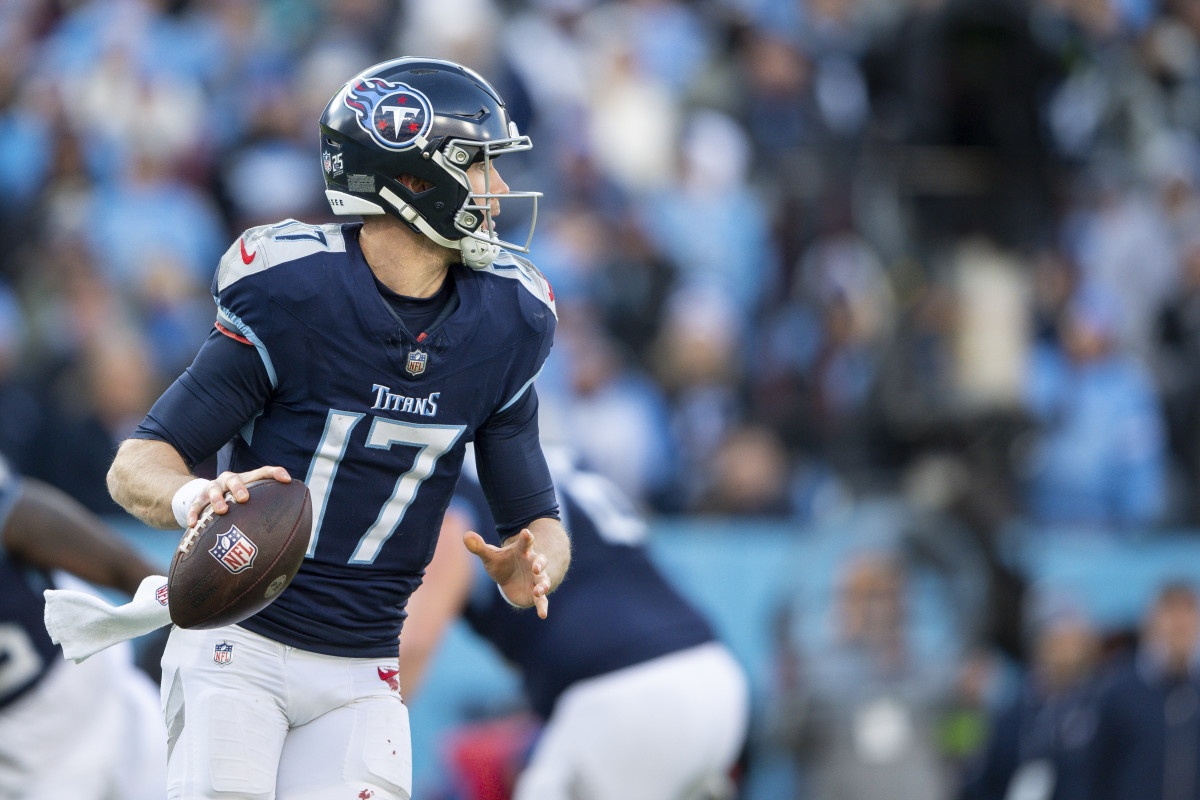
(144, 477)
(552, 540)
(50, 529)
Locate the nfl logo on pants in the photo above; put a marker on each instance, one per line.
(223, 653)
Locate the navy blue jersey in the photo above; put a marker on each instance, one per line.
(615, 609)
(374, 417)
(26, 652)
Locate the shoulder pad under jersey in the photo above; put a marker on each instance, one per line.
(522, 270)
(267, 246)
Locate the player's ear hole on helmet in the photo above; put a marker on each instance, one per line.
(414, 184)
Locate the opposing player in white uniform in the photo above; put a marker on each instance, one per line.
(641, 701)
(89, 731)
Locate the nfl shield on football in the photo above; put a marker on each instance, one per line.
(230, 566)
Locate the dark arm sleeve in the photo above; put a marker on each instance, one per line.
(225, 387)
(512, 469)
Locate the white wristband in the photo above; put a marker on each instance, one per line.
(183, 498)
(510, 602)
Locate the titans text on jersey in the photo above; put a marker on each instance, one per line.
(386, 401)
(373, 416)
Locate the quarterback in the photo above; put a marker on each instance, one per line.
(362, 358)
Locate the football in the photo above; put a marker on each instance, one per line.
(231, 566)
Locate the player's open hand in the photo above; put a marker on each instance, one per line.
(231, 484)
(516, 567)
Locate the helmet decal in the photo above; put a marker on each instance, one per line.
(394, 114)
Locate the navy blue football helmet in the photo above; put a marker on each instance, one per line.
(431, 119)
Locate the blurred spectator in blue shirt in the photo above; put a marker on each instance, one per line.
(820, 354)
(711, 223)
(668, 40)
(1100, 458)
(268, 175)
(747, 476)
(863, 712)
(698, 361)
(615, 416)
(151, 216)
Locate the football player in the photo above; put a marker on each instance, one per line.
(361, 357)
(641, 700)
(91, 731)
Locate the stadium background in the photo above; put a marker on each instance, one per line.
(835, 277)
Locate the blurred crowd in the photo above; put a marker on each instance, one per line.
(802, 248)
(877, 710)
(805, 253)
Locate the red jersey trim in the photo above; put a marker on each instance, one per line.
(233, 334)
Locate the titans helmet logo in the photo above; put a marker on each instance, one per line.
(394, 114)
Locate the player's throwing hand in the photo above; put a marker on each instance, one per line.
(227, 483)
(516, 567)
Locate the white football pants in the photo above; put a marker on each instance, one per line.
(252, 719)
(666, 729)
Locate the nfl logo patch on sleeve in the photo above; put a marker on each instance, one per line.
(234, 550)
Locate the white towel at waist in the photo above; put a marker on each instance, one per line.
(85, 624)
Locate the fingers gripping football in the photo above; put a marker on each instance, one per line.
(230, 487)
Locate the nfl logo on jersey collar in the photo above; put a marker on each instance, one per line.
(223, 653)
(417, 359)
